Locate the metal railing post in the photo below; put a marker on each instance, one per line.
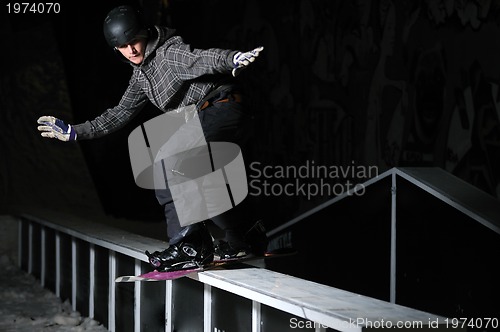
(256, 317)
(393, 240)
(20, 243)
(30, 248)
(137, 298)
(168, 305)
(92, 280)
(112, 291)
(207, 308)
(58, 264)
(74, 278)
(43, 258)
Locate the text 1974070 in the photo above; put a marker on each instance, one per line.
(33, 8)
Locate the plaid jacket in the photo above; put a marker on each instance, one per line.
(172, 75)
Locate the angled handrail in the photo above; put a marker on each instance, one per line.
(301, 300)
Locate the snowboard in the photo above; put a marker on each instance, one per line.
(172, 275)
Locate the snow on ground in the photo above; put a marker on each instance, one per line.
(26, 306)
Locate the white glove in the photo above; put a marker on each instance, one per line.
(242, 60)
(54, 128)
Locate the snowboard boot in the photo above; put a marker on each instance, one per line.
(193, 251)
(254, 243)
(225, 251)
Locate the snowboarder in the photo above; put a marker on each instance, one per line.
(170, 74)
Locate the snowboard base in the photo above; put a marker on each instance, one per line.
(172, 275)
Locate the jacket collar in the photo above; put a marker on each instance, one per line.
(157, 36)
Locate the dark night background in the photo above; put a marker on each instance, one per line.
(367, 83)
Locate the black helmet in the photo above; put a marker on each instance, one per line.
(122, 25)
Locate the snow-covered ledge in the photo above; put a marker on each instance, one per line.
(79, 259)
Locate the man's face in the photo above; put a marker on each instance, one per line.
(134, 51)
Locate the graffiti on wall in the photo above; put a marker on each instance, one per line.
(387, 83)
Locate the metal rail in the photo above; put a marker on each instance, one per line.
(79, 260)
